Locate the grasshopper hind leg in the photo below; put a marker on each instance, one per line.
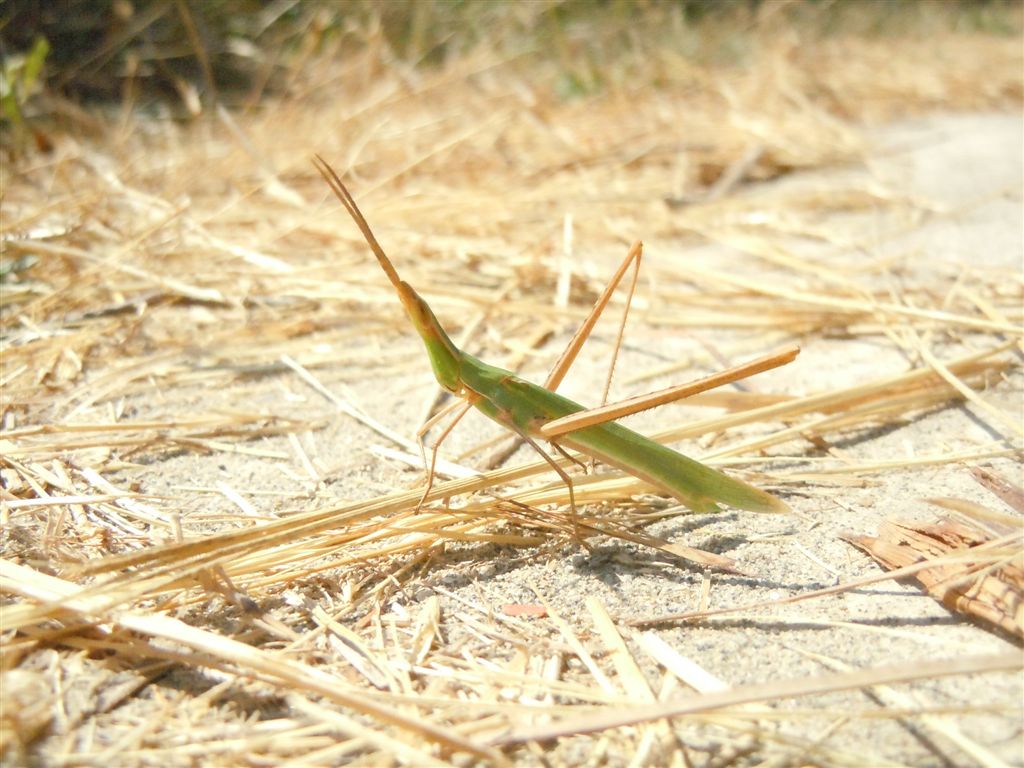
(577, 536)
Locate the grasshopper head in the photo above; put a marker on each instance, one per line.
(444, 357)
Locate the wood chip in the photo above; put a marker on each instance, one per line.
(974, 587)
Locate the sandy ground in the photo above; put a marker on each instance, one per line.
(964, 173)
(967, 164)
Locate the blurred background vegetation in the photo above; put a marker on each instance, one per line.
(185, 55)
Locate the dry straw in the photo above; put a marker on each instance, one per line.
(200, 322)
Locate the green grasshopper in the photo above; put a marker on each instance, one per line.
(536, 412)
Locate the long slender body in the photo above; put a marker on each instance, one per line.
(525, 408)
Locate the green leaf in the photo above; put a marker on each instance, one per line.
(34, 63)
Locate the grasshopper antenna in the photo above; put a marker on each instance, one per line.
(353, 210)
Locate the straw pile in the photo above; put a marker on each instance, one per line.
(212, 546)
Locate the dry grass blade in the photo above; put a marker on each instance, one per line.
(991, 552)
(233, 654)
(779, 689)
(1012, 494)
(197, 364)
(940, 725)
